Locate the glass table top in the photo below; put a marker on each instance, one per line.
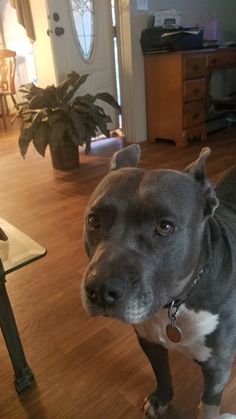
(16, 248)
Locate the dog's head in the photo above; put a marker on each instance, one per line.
(143, 234)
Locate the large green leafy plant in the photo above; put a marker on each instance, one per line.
(57, 115)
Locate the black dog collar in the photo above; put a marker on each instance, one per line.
(173, 332)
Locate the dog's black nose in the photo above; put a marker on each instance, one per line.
(107, 292)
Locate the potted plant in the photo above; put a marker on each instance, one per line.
(56, 116)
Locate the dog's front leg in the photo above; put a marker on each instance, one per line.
(157, 403)
(216, 374)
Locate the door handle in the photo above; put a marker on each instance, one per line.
(59, 30)
(56, 17)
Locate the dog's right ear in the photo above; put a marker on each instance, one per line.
(197, 168)
(128, 157)
(198, 171)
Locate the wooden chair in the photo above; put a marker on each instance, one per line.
(7, 85)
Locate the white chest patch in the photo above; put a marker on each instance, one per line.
(194, 326)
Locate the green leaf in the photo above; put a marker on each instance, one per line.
(38, 117)
(87, 100)
(108, 98)
(25, 138)
(41, 137)
(46, 99)
(78, 123)
(63, 87)
(54, 117)
(99, 121)
(80, 80)
(29, 90)
(57, 134)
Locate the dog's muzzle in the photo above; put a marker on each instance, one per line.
(107, 285)
(116, 285)
(105, 291)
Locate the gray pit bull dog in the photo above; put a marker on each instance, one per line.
(162, 249)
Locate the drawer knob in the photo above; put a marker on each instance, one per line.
(196, 91)
(195, 116)
(195, 67)
(214, 61)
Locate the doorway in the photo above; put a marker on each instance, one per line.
(82, 39)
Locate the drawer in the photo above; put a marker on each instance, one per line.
(213, 60)
(194, 90)
(194, 66)
(228, 57)
(193, 114)
(221, 58)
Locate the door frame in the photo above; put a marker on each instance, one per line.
(127, 87)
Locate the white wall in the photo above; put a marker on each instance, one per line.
(193, 12)
(198, 12)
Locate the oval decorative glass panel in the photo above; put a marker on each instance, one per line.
(83, 17)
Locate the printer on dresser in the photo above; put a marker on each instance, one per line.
(177, 91)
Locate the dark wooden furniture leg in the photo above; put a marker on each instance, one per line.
(23, 374)
(3, 112)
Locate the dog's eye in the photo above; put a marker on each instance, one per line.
(93, 221)
(164, 228)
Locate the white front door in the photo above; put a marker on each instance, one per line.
(67, 51)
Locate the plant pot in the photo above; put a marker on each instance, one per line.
(65, 157)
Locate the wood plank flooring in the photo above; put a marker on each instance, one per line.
(85, 368)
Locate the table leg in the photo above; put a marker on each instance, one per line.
(23, 374)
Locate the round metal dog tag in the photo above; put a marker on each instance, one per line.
(173, 333)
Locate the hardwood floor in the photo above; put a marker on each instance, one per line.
(85, 368)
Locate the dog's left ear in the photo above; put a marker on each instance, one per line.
(128, 157)
(197, 169)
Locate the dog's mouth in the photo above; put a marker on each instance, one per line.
(127, 315)
(132, 310)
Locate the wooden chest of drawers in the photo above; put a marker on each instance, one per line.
(176, 92)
